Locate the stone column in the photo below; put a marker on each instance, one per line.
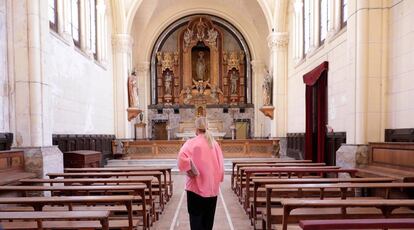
(259, 119)
(122, 48)
(144, 95)
(361, 65)
(278, 42)
(31, 112)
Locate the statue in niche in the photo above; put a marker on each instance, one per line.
(200, 66)
(168, 79)
(132, 90)
(233, 80)
(267, 89)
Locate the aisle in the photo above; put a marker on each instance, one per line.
(229, 212)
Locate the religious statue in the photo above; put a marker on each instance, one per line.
(168, 79)
(132, 90)
(200, 66)
(188, 95)
(267, 89)
(201, 86)
(233, 79)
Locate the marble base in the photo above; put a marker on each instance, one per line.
(352, 156)
(43, 160)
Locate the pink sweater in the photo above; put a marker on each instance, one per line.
(209, 162)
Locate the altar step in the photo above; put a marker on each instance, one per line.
(165, 163)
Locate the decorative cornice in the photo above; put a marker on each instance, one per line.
(278, 40)
(122, 43)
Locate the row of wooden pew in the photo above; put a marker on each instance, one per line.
(89, 198)
(280, 193)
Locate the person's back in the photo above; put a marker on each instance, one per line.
(203, 184)
(209, 162)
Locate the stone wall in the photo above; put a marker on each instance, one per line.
(82, 94)
(4, 88)
(401, 65)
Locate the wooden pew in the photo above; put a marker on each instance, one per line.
(258, 183)
(299, 171)
(39, 202)
(234, 163)
(342, 187)
(99, 181)
(156, 174)
(40, 220)
(168, 183)
(386, 206)
(239, 168)
(399, 223)
(138, 190)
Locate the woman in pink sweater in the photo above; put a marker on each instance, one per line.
(201, 158)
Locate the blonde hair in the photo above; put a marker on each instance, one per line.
(202, 126)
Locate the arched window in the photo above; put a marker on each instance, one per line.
(75, 21)
(323, 20)
(306, 26)
(344, 12)
(53, 15)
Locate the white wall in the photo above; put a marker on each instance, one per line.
(401, 66)
(4, 98)
(82, 90)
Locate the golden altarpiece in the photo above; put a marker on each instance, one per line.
(200, 67)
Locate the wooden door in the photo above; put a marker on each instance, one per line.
(160, 131)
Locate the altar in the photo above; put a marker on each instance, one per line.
(188, 135)
(200, 68)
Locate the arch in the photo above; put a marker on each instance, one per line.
(130, 15)
(156, 45)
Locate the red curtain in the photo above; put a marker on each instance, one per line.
(316, 83)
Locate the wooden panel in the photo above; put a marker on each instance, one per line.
(397, 157)
(136, 149)
(74, 142)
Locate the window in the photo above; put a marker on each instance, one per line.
(323, 20)
(53, 16)
(93, 27)
(306, 26)
(344, 12)
(75, 21)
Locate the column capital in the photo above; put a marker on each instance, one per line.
(278, 40)
(122, 43)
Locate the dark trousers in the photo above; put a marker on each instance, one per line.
(201, 211)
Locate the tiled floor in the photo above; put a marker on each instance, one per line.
(175, 216)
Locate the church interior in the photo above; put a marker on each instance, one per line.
(309, 101)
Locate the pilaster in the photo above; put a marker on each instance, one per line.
(260, 122)
(278, 43)
(122, 48)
